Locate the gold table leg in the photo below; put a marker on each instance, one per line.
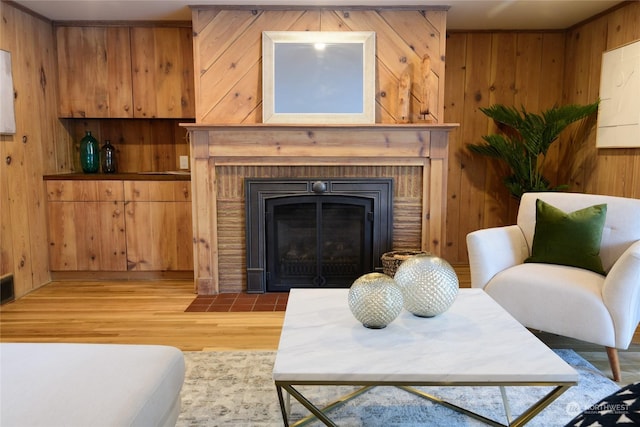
(320, 414)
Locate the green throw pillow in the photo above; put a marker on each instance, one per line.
(568, 238)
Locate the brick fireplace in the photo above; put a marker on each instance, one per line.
(222, 156)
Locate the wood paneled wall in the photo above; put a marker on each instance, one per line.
(228, 44)
(613, 171)
(535, 70)
(38, 147)
(485, 68)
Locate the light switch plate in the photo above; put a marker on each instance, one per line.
(184, 162)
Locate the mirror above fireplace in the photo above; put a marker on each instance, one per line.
(318, 77)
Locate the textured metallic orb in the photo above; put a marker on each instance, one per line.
(429, 285)
(375, 300)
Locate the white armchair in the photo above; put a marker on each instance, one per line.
(567, 301)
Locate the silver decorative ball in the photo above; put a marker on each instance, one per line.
(429, 285)
(375, 300)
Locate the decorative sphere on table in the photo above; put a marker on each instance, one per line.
(375, 300)
(429, 285)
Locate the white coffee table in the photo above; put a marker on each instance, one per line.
(474, 343)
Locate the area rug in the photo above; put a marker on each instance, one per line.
(235, 388)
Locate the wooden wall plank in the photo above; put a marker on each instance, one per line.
(503, 90)
(552, 64)
(453, 113)
(477, 82)
(32, 150)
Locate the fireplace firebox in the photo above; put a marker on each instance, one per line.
(310, 233)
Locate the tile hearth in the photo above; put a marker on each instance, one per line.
(239, 302)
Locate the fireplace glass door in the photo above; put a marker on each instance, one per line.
(317, 241)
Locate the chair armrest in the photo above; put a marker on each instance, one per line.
(621, 294)
(492, 250)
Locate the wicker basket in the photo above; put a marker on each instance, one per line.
(392, 260)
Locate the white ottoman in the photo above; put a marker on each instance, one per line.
(89, 385)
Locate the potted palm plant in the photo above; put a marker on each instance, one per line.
(524, 140)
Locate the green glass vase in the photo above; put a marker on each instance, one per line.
(89, 154)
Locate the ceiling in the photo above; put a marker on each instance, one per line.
(462, 15)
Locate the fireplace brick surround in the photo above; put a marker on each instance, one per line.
(223, 155)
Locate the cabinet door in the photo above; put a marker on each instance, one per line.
(87, 236)
(162, 66)
(94, 72)
(158, 222)
(159, 236)
(86, 225)
(85, 191)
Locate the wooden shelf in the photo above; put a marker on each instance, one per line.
(141, 176)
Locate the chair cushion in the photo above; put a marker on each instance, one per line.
(555, 298)
(571, 239)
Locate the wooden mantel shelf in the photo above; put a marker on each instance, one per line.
(213, 145)
(378, 126)
(318, 144)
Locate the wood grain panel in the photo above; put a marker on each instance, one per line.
(38, 147)
(162, 67)
(153, 191)
(94, 71)
(88, 191)
(159, 225)
(87, 236)
(604, 171)
(157, 232)
(228, 57)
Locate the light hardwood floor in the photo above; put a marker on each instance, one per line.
(152, 312)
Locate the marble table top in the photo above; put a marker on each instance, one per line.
(474, 342)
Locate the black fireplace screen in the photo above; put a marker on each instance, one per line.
(310, 233)
(317, 241)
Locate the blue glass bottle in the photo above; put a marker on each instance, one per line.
(89, 154)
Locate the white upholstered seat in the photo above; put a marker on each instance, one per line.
(81, 385)
(563, 300)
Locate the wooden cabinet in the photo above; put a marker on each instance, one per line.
(115, 225)
(158, 222)
(162, 69)
(94, 72)
(86, 226)
(125, 72)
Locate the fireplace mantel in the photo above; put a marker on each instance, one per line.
(424, 145)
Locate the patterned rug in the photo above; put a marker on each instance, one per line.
(236, 389)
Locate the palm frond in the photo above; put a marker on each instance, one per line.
(525, 139)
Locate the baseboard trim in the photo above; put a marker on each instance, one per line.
(121, 275)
